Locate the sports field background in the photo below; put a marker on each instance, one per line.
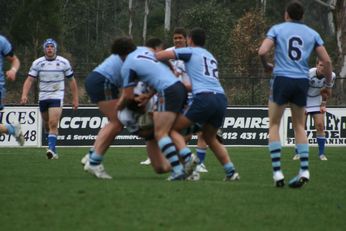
(40, 194)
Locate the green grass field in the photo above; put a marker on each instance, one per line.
(37, 194)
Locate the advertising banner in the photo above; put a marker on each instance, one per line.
(30, 120)
(335, 128)
(243, 126)
(80, 128)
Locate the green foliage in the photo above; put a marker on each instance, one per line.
(217, 21)
(35, 21)
(246, 37)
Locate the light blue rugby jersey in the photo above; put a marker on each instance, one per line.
(5, 49)
(110, 68)
(142, 65)
(202, 68)
(294, 43)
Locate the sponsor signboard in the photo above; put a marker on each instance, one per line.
(335, 128)
(80, 128)
(243, 126)
(30, 120)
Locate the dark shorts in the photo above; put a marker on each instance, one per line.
(172, 99)
(99, 88)
(48, 103)
(288, 90)
(207, 108)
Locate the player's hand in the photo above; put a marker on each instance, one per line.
(142, 100)
(269, 68)
(75, 104)
(323, 109)
(11, 74)
(326, 92)
(24, 100)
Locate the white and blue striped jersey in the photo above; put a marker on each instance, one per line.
(314, 98)
(51, 76)
(202, 68)
(110, 68)
(142, 65)
(5, 49)
(294, 43)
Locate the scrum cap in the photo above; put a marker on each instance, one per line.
(50, 41)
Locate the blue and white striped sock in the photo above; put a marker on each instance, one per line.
(229, 169)
(95, 158)
(167, 147)
(10, 129)
(303, 150)
(185, 154)
(275, 155)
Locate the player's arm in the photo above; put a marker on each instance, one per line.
(323, 56)
(74, 91)
(15, 64)
(26, 88)
(263, 51)
(165, 55)
(127, 96)
(144, 98)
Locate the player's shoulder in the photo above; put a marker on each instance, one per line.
(4, 40)
(39, 61)
(312, 71)
(61, 58)
(169, 48)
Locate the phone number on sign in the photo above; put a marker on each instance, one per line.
(245, 135)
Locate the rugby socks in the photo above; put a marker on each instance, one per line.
(275, 155)
(167, 147)
(229, 169)
(185, 154)
(201, 152)
(321, 141)
(95, 158)
(52, 142)
(303, 151)
(10, 129)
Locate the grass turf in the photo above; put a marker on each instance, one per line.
(37, 194)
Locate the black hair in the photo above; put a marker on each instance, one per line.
(123, 46)
(154, 43)
(295, 10)
(180, 30)
(198, 36)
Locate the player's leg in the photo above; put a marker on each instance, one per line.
(301, 145)
(275, 113)
(102, 92)
(298, 103)
(209, 134)
(15, 130)
(107, 134)
(53, 114)
(11, 129)
(169, 105)
(163, 122)
(320, 134)
(158, 161)
(104, 139)
(201, 151)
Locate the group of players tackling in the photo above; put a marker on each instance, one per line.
(165, 95)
